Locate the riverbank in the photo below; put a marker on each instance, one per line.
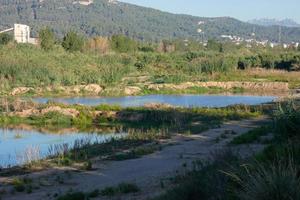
(210, 87)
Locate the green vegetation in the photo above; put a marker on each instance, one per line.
(100, 62)
(122, 188)
(72, 42)
(5, 38)
(47, 39)
(123, 44)
(251, 136)
(273, 174)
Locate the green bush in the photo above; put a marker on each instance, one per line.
(287, 122)
(47, 39)
(5, 38)
(123, 44)
(72, 42)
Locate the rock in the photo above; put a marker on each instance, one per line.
(26, 113)
(132, 90)
(75, 89)
(20, 90)
(93, 88)
(158, 106)
(65, 111)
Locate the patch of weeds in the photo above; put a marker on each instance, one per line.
(136, 152)
(223, 136)
(109, 191)
(122, 188)
(126, 188)
(73, 196)
(88, 166)
(94, 193)
(251, 136)
(20, 185)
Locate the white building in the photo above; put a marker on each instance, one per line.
(22, 34)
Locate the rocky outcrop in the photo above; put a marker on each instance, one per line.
(20, 91)
(65, 111)
(132, 90)
(225, 85)
(93, 88)
(36, 112)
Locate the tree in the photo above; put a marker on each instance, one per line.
(72, 42)
(47, 39)
(123, 44)
(5, 38)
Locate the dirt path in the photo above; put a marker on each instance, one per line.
(146, 172)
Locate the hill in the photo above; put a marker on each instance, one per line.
(275, 22)
(107, 17)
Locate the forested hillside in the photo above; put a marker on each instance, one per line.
(104, 18)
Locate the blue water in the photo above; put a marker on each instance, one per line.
(175, 100)
(16, 144)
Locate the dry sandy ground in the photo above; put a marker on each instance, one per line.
(146, 172)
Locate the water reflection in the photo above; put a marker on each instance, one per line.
(21, 145)
(175, 100)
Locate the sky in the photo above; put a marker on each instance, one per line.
(240, 9)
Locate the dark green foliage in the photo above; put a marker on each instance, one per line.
(252, 135)
(72, 42)
(47, 39)
(5, 38)
(126, 188)
(205, 182)
(122, 188)
(123, 44)
(269, 181)
(287, 122)
(73, 196)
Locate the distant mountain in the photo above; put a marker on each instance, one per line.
(108, 17)
(275, 22)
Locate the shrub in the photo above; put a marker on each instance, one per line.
(276, 181)
(123, 44)
(73, 196)
(72, 42)
(5, 38)
(47, 39)
(287, 122)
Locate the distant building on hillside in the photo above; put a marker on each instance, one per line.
(22, 34)
(84, 2)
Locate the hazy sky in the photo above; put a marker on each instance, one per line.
(241, 9)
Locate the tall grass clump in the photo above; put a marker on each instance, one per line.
(275, 181)
(287, 122)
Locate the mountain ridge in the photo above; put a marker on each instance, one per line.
(106, 18)
(275, 22)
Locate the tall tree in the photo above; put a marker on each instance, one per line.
(47, 39)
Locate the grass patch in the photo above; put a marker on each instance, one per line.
(122, 188)
(252, 135)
